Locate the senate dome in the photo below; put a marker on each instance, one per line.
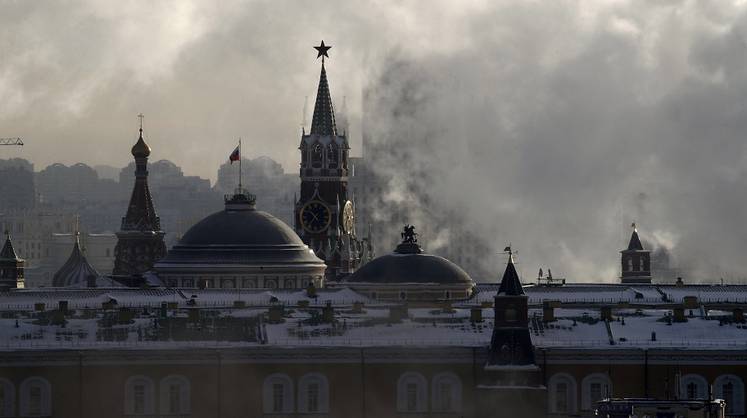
(409, 274)
(240, 247)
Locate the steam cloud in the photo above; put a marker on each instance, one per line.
(550, 125)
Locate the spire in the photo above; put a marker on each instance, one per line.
(323, 121)
(141, 214)
(635, 242)
(510, 284)
(8, 252)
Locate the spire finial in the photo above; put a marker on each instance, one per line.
(141, 117)
(633, 226)
(322, 51)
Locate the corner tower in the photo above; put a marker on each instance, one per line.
(511, 377)
(11, 266)
(635, 261)
(324, 215)
(140, 239)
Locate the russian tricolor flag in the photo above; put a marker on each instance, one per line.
(235, 155)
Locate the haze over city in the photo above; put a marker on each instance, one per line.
(549, 125)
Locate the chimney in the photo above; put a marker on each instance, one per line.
(475, 315)
(548, 311)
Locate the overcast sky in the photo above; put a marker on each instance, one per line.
(566, 119)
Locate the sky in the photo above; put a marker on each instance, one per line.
(549, 125)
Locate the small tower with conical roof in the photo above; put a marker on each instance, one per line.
(11, 266)
(510, 374)
(511, 344)
(324, 214)
(635, 261)
(140, 239)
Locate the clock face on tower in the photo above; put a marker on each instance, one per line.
(315, 217)
(348, 218)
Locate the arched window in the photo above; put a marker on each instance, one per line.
(317, 152)
(594, 388)
(277, 394)
(139, 396)
(562, 394)
(7, 398)
(731, 389)
(446, 393)
(313, 394)
(175, 396)
(36, 397)
(693, 386)
(412, 393)
(304, 154)
(333, 153)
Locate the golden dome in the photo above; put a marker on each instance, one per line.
(141, 149)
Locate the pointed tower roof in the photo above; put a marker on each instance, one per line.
(141, 213)
(510, 284)
(8, 252)
(323, 121)
(76, 269)
(635, 242)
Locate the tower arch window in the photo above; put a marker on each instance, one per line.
(693, 386)
(313, 394)
(36, 397)
(412, 393)
(446, 393)
(594, 388)
(304, 154)
(562, 394)
(333, 155)
(175, 395)
(139, 396)
(7, 398)
(730, 388)
(277, 394)
(317, 153)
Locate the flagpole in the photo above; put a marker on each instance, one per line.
(240, 163)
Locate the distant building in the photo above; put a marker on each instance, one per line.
(17, 185)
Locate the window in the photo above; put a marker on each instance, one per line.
(175, 395)
(731, 389)
(36, 398)
(447, 393)
(693, 386)
(412, 393)
(139, 396)
(7, 398)
(313, 394)
(562, 393)
(595, 387)
(277, 394)
(316, 155)
(332, 155)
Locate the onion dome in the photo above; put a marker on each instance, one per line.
(409, 264)
(238, 237)
(76, 270)
(140, 149)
